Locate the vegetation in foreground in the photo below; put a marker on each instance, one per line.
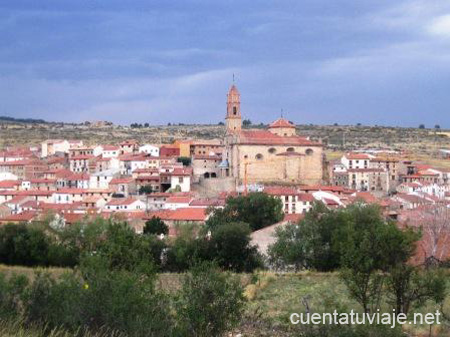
(114, 283)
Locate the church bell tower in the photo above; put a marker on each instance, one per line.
(233, 118)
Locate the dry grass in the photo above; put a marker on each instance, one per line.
(30, 272)
(274, 296)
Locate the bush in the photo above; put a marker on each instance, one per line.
(156, 226)
(11, 291)
(210, 302)
(259, 210)
(125, 301)
(119, 300)
(232, 250)
(147, 189)
(23, 245)
(186, 161)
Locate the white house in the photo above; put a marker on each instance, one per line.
(175, 202)
(110, 151)
(326, 197)
(124, 205)
(129, 163)
(149, 149)
(100, 180)
(68, 196)
(8, 176)
(356, 160)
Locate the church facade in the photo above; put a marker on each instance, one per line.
(276, 155)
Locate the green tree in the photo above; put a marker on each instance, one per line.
(146, 189)
(185, 160)
(156, 226)
(123, 249)
(231, 248)
(246, 122)
(409, 286)
(11, 290)
(187, 249)
(23, 245)
(311, 244)
(259, 210)
(288, 251)
(210, 302)
(98, 298)
(369, 245)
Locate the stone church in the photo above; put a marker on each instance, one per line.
(275, 155)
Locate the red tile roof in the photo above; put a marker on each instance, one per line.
(82, 157)
(121, 201)
(70, 191)
(9, 183)
(263, 137)
(179, 200)
(207, 202)
(22, 217)
(367, 197)
(353, 156)
(282, 123)
(110, 148)
(294, 218)
(181, 214)
(125, 180)
(280, 190)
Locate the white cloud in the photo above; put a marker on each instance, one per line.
(440, 26)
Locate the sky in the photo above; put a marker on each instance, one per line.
(375, 62)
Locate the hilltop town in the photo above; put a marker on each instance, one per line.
(180, 180)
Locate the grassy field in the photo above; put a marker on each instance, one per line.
(273, 297)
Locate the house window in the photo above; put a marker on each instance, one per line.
(290, 149)
(180, 180)
(259, 156)
(234, 111)
(272, 150)
(309, 152)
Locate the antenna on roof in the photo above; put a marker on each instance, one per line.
(233, 78)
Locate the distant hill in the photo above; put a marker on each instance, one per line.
(22, 120)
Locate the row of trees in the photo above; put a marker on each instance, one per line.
(40, 245)
(115, 301)
(112, 282)
(225, 239)
(371, 253)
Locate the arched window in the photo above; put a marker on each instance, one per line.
(290, 149)
(245, 156)
(309, 152)
(234, 110)
(259, 156)
(272, 150)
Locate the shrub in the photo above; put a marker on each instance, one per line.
(11, 291)
(232, 250)
(23, 245)
(259, 210)
(210, 302)
(156, 226)
(99, 299)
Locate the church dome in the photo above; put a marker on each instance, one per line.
(281, 123)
